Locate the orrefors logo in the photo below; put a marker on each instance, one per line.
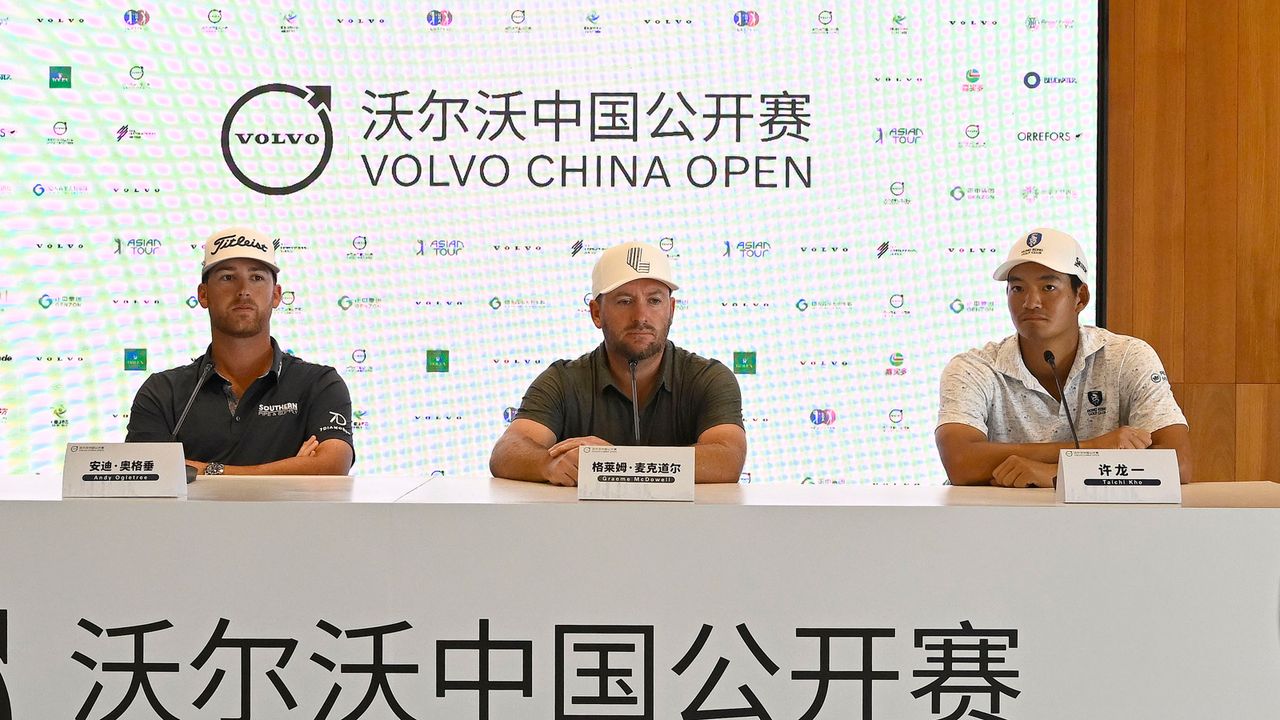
(272, 156)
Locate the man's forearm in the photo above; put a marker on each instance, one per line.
(717, 463)
(325, 461)
(976, 461)
(518, 458)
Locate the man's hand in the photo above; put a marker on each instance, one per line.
(1122, 438)
(562, 468)
(308, 448)
(1020, 472)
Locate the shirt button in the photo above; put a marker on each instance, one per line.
(237, 418)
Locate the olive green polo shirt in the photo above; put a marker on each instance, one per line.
(578, 398)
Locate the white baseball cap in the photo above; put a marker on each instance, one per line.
(238, 242)
(1051, 248)
(623, 263)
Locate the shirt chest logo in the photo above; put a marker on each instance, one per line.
(1096, 399)
(279, 410)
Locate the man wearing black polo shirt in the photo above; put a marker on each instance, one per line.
(258, 411)
(684, 399)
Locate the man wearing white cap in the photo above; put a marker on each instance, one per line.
(684, 399)
(1002, 418)
(245, 407)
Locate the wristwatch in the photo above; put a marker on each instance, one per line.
(213, 468)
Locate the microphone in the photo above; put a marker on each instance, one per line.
(173, 437)
(635, 402)
(1048, 357)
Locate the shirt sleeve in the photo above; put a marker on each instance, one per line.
(1145, 387)
(966, 394)
(544, 401)
(328, 411)
(720, 401)
(147, 417)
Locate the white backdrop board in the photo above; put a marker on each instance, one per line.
(833, 181)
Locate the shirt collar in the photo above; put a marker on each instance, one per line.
(1009, 357)
(277, 362)
(604, 378)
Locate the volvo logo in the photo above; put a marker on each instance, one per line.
(319, 97)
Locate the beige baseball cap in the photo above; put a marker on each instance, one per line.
(238, 242)
(1051, 248)
(623, 263)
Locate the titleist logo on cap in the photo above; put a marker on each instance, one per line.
(231, 241)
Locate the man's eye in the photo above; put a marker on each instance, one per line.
(1050, 288)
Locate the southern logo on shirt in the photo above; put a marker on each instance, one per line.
(1096, 399)
(278, 410)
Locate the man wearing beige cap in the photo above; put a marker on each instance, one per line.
(1003, 418)
(245, 407)
(684, 399)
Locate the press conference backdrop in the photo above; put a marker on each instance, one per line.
(834, 183)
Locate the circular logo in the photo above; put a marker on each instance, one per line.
(746, 18)
(60, 128)
(825, 17)
(897, 300)
(320, 98)
(137, 17)
(287, 297)
(518, 17)
(667, 244)
(1031, 80)
(1034, 239)
(215, 16)
(586, 299)
(439, 18)
(360, 242)
(972, 132)
(957, 193)
(973, 75)
(508, 414)
(136, 72)
(897, 359)
(823, 416)
(898, 188)
(359, 356)
(895, 416)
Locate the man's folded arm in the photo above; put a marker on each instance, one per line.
(720, 454)
(521, 452)
(331, 457)
(970, 458)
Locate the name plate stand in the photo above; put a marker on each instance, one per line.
(1119, 476)
(635, 473)
(124, 470)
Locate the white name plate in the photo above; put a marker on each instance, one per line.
(1119, 476)
(124, 470)
(635, 473)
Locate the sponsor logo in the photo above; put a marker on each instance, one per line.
(60, 77)
(319, 97)
(136, 18)
(747, 248)
(744, 362)
(823, 417)
(437, 361)
(289, 408)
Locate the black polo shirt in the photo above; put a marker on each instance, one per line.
(293, 401)
(578, 398)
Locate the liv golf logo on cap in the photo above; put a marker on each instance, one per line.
(285, 158)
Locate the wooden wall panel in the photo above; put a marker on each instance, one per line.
(1211, 173)
(1159, 191)
(1211, 412)
(1258, 432)
(1120, 89)
(1258, 266)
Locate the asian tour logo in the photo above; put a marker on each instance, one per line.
(264, 150)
